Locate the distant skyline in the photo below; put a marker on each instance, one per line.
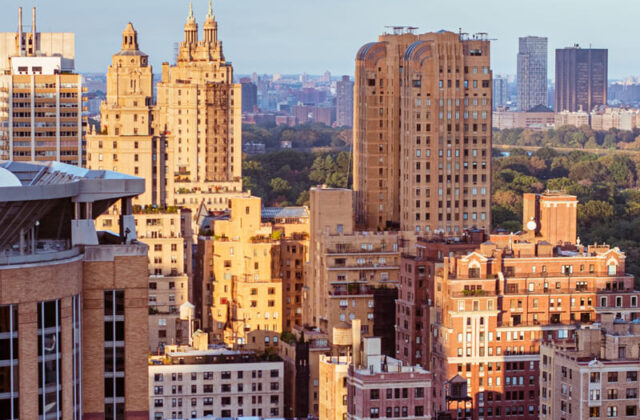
(298, 36)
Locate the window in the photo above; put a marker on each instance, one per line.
(612, 377)
(374, 412)
(114, 349)
(374, 394)
(9, 359)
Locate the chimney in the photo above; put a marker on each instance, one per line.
(355, 334)
(165, 72)
(33, 31)
(20, 48)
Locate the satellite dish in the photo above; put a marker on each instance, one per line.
(531, 225)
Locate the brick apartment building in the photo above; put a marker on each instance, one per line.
(250, 269)
(422, 132)
(593, 376)
(352, 274)
(491, 307)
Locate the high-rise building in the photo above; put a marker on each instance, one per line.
(199, 109)
(249, 95)
(430, 93)
(73, 307)
(291, 252)
(593, 376)
(126, 141)
(581, 78)
(250, 272)
(416, 295)
(350, 272)
(188, 145)
(532, 72)
(344, 102)
(494, 306)
(40, 97)
(500, 91)
(246, 289)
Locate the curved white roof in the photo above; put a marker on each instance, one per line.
(8, 179)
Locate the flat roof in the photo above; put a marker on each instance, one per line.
(46, 192)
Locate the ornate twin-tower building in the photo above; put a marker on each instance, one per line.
(187, 142)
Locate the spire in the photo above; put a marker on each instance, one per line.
(210, 13)
(191, 17)
(191, 28)
(210, 27)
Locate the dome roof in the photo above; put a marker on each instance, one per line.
(8, 179)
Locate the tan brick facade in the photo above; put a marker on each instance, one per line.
(422, 133)
(26, 286)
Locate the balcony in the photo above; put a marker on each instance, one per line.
(345, 249)
(365, 266)
(352, 290)
(544, 275)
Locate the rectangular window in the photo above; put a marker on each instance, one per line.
(9, 403)
(114, 354)
(49, 357)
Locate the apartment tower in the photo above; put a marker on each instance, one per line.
(199, 110)
(40, 97)
(422, 132)
(500, 91)
(581, 78)
(344, 102)
(185, 142)
(126, 140)
(532, 72)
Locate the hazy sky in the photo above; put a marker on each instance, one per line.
(295, 36)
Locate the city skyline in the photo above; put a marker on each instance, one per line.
(251, 28)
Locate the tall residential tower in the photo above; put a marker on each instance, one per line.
(126, 141)
(199, 111)
(344, 102)
(532, 72)
(40, 97)
(188, 144)
(422, 132)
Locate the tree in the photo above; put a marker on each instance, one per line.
(594, 211)
(592, 143)
(609, 141)
(303, 198)
(578, 139)
(318, 170)
(280, 185)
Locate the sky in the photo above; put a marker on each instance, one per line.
(296, 36)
